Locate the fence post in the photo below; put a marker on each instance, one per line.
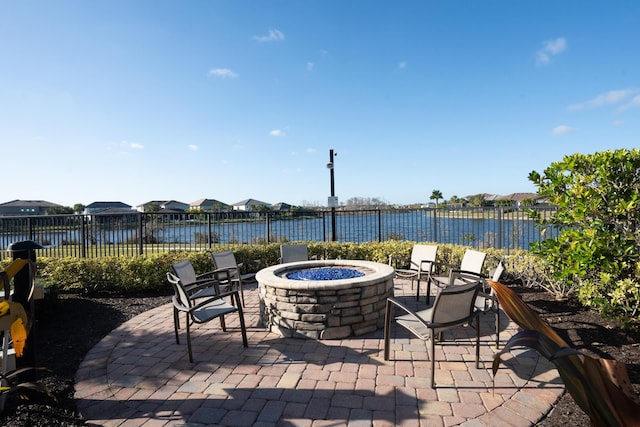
(379, 225)
(435, 225)
(83, 235)
(498, 244)
(209, 228)
(266, 223)
(140, 237)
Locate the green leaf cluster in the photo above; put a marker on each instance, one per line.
(597, 196)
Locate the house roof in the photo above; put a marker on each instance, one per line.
(281, 206)
(207, 202)
(249, 202)
(518, 197)
(107, 205)
(35, 203)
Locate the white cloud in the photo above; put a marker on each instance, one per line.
(608, 98)
(310, 66)
(222, 72)
(402, 65)
(311, 150)
(192, 147)
(635, 102)
(563, 130)
(617, 123)
(273, 36)
(277, 132)
(550, 48)
(132, 145)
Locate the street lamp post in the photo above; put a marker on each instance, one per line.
(333, 201)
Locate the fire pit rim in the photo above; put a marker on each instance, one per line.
(271, 276)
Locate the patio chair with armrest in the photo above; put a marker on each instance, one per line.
(471, 264)
(453, 306)
(421, 266)
(228, 271)
(204, 310)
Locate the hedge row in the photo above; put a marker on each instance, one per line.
(147, 274)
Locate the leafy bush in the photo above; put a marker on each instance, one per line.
(597, 248)
(147, 274)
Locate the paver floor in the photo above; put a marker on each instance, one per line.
(139, 376)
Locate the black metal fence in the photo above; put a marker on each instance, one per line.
(132, 234)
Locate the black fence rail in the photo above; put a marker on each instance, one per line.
(133, 234)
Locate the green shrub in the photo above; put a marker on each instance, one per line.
(147, 274)
(597, 249)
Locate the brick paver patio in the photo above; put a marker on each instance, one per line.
(139, 376)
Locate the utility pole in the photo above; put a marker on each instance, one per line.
(333, 200)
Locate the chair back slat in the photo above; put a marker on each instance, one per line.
(473, 261)
(294, 253)
(224, 259)
(497, 274)
(185, 272)
(180, 293)
(425, 255)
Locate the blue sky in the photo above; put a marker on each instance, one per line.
(168, 100)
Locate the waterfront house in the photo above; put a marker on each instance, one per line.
(26, 207)
(250, 205)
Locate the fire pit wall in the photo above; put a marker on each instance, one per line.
(324, 309)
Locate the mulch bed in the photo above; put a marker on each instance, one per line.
(69, 326)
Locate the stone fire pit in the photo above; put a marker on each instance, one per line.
(324, 309)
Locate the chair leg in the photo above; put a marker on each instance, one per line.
(433, 360)
(477, 322)
(497, 325)
(387, 330)
(240, 285)
(189, 342)
(428, 290)
(417, 289)
(176, 324)
(243, 329)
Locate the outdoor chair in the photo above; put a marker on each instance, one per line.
(293, 253)
(196, 286)
(486, 301)
(228, 271)
(204, 310)
(472, 264)
(423, 258)
(453, 306)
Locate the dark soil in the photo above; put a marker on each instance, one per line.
(69, 326)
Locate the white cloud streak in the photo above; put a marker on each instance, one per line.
(563, 130)
(273, 36)
(610, 98)
(222, 72)
(550, 48)
(277, 133)
(132, 145)
(192, 147)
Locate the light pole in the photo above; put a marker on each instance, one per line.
(333, 200)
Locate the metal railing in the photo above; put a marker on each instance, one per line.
(132, 234)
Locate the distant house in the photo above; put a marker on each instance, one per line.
(107, 208)
(26, 207)
(210, 205)
(281, 207)
(249, 205)
(517, 199)
(163, 205)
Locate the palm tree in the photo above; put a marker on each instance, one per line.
(436, 195)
